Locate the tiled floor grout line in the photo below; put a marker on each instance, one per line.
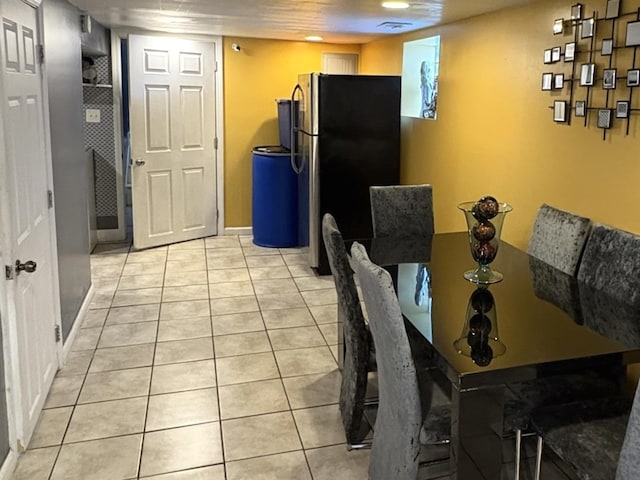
(290, 411)
(294, 418)
(215, 364)
(153, 363)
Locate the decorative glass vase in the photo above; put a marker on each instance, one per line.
(484, 227)
(479, 338)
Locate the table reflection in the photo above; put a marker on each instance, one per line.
(392, 251)
(556, 287)
(415, 296)
(479, 338)
(587, 306)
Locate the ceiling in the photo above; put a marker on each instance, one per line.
(337, 21)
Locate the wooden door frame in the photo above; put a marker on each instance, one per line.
(118, 34)
(8, 321)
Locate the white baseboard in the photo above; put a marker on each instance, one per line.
(238, 231)
(77, 323)
(114, 235)
(9, 465)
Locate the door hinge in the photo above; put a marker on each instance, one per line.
(57, 333)
(215, 66)
(50, 198)
(8, 272)
(40, 53)
(215, 143)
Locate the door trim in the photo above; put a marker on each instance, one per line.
(116, 57)
(7, 309)
(49, 161)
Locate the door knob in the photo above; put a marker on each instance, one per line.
(28, 267)
(140, 162)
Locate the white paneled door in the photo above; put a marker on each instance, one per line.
(172, 112)
(30, 293)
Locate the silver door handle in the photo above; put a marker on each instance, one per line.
(140, 162)
(28, 267)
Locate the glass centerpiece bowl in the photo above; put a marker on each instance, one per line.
(484, 225)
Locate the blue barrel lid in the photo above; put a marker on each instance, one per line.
(275, 150)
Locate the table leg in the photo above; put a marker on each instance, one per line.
(476, 433)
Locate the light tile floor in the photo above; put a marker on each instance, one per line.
(211, 359)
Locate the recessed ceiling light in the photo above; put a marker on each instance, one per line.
(313, 38)
(179, 20)
(395, 5)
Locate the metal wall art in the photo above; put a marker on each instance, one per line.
(592, 68)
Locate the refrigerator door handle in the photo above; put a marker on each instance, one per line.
(295, 129)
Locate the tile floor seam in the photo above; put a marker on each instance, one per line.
(282, 383)
(153, 363)
(194, 424)
(215, 368)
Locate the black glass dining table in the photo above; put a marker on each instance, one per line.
(543, 322)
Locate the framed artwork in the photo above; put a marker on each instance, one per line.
(633, 34)
(587, 71)
(607, 46)
(622, 109)
(547, 56)
(560, 111)
(555, 54)
(558, 26)
(576, 11)
(558, 81)
(633, 77)
(588, 28)
(609, 78)
(570, 52)
(604, 118)
(547, 79)
(613, 9)
(581, 108)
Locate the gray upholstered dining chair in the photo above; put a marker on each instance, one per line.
(629, 460)
(406, 416)
(557, 241)
(397, 384)
(558, 238)
(597, 439)
(611, 263)
(401, 210)
(357, 352)
(609, 270)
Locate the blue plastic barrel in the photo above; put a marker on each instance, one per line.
(274, 198)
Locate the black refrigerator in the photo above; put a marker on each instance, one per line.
(346, 133)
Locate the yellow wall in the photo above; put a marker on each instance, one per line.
(262, 71)
(495, 132)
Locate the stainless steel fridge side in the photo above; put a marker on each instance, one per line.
(314, 171)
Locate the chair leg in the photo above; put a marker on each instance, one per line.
(518, 452)
(364, 445)
(538, 458)
(369, 402)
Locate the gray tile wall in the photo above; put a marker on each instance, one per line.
(100, 137)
